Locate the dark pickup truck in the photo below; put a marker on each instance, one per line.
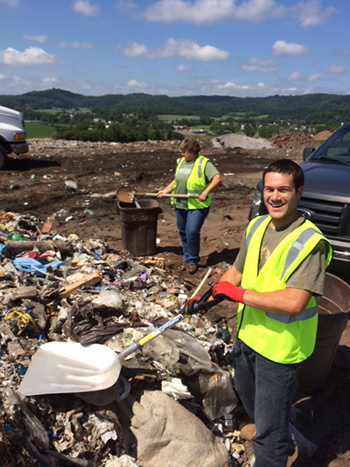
(326, 196)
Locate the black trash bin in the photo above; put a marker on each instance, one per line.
(139, 226)
(333, 316)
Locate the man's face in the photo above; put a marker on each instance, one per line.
(281, 198)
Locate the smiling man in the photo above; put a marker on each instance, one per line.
(277, 279)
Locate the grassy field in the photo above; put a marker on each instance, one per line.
(172, 118)
(34, 130)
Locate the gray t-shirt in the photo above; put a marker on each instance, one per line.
(181, 180)
(308, 276)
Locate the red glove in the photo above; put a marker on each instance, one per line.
(187, 308)
(228, 291)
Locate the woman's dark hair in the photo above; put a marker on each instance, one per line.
(191, 145)
(286, 166)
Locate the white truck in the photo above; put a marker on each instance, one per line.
(12, 134)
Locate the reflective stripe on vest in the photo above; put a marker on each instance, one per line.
(283, 338)
(196, 183)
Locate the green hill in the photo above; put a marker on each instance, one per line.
(308, 108)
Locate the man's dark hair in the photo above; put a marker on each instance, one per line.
(286, 166)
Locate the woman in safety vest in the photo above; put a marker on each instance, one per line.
(277, 279)
(196, 177)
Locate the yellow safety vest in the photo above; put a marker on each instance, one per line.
(196, 183)
(281, 338)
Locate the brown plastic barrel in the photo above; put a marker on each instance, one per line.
(139, 226)
(333, 316)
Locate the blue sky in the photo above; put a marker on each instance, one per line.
(243, 48)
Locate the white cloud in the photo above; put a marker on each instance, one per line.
(314, 77)
(50, 82)
(231, 86)
(2, 76)
(291, 49)
(136, 50)
(186, 49)
(75, 45)
(310, 13)
(339, 70)
(208, 11)
(30, 57)
(255, 65)
(10, 2)
(296, 76)
(182, 68)
(135, 84)
(86, 86)
(86, 8)
(255, 10)
(39, 39)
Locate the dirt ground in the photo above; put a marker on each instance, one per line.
(35, 184)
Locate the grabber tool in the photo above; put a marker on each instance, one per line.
(202, 304)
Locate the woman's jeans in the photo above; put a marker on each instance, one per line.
(267, 390)
(189, 223)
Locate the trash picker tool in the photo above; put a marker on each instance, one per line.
(69, 367)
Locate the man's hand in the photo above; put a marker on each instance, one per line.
(188, 307)
(228, 291)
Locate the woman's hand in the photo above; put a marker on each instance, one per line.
(166, 190)
(203, 196)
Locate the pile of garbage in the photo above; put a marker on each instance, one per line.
(70, 308)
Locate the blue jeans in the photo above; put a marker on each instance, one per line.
(189, 223)
(267, 390)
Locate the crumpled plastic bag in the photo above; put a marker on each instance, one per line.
(110, 297)
(219, 396)
(33, 266)
(90, 323)
(168, 348)
(176, 389)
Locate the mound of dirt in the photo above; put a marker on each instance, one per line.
(322, 135)
(295, 140)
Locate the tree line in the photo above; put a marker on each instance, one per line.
(309, 108)
(134, 117)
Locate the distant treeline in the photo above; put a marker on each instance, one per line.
(310, 109)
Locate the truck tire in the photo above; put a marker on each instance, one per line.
(3, 158)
